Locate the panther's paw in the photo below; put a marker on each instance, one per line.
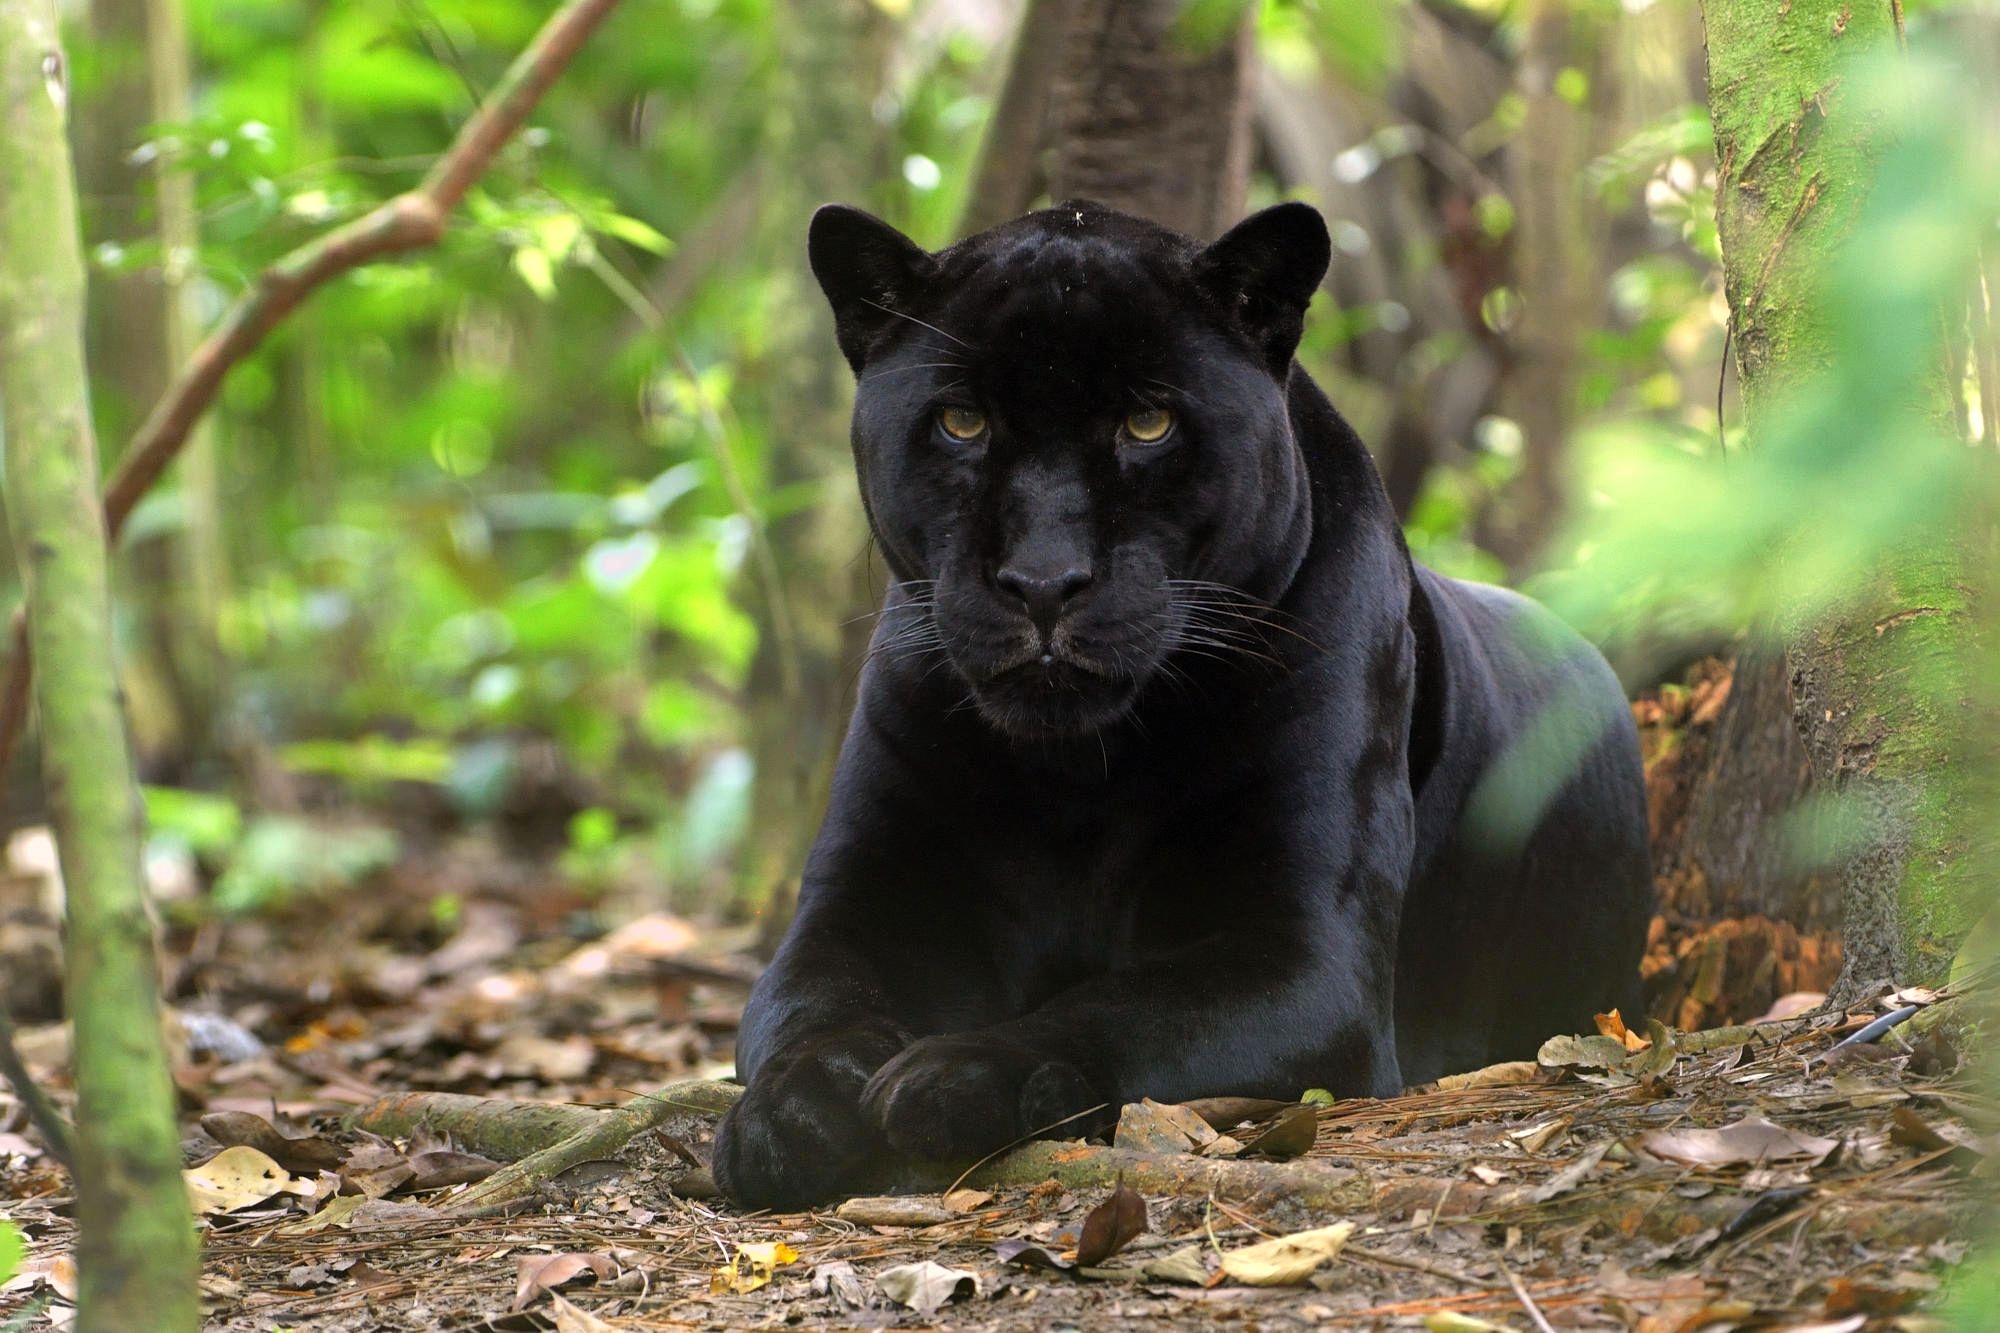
(958, 1097)
(797, 1136)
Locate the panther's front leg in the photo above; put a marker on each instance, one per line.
(1261, 1009)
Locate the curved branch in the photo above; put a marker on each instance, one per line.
(411, 221)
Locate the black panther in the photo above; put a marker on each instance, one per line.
(1171, 774)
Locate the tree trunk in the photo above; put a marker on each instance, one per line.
(1011, 173)
(1794, 157)
(1146, 124)
(137, 1254)
(811, 629)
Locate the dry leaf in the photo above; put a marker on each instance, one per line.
(1111, 1226)
(538, 1273)
(894, 1210)
(964, 1200)
(1150, 1126)
(1024, 1253)
(441, 1167)
(1183, 1265)
(1290, 1135)
(1752, 1140)
(1597, 1052)
(1450, 1321)
(338, 1212)
(301, 1156)
(1511, 1073)
(1228, 1112)
(839, 1280)
(569, 1319)
(1612, 1025)
(751, 1267)
(238, 1177)
(925, 1286)
(1288, 1260)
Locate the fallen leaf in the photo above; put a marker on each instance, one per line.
(894, 1210)
(925, 1286)
(1024, 1253)
(301, 1156)
(338, 1212)
(839, 1280)
(964, 1200)
(1750, 1140)
(1534, 1138)
(1287, 1260)
(1183, 1265)
(1567, 1179)
(1511, 1073)
(538, 1273)
(1657, 1055)
(1228, 1112)
(57, 1273)
(1612, 1025)
(570, 1319)
(1222, 1145)
(1150, 1126)
(751, 1266)
(441, 1167)
(1598, 1052)
(1846, 1297)
(238, 1177)
(1290, 1135)
(1450, 1321)
(1316, 1097)
(1111, 1226)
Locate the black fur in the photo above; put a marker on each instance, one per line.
(1171, 775)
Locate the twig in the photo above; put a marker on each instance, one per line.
(411, 221)
(1527, 1302)
(48, 1121)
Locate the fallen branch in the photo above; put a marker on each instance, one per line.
(42, 1114)
(411, 221)
(545, 1140)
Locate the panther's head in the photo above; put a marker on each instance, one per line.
(1073, 444)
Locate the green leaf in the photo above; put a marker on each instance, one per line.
(633, 232)
(536, 270)
(13, 1250)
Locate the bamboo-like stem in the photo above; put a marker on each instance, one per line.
(411, 221)
(136, 1253)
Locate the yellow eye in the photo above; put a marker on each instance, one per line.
(1150, 425)
(961, 423)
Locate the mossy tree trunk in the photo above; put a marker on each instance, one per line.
(137, 1254)
(1874, 682)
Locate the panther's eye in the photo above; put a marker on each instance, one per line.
(962, 424)
(1149, 425)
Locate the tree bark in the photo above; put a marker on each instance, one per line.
(137, 1254)
(1011, 172)
(1794, 157)
(811, 626)
(1147, 124)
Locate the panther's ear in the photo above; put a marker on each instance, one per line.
(1264, 272)
(868, 270)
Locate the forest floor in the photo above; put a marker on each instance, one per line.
(1656, 1180)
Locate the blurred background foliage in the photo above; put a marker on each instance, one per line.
(550, 532)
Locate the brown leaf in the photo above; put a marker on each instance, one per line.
(1111, 1226)
(1752, 1140)
(1290, 1135)
(301, 1156)
(965, 1200)
(537, 1273)
(1228, 1112)
(1150, 1126)
(1510, 1073)
(1613, 1025)
(893, 1210)
(441, 1167)
(1024, 1253)
(570, 1319)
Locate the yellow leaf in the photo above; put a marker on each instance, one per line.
(238, 1177)
(751, 1267)
(1288, 1259)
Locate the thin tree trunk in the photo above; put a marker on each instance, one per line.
(811, 629)
(1145, 123)
(1010, 172)
(1794, 158)
(137, 1254)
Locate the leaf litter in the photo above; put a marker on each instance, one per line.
(1632, 1177)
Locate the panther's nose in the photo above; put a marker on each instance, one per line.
(1044, 594)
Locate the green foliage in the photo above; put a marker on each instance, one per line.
(13, 1250)
(282, 859)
